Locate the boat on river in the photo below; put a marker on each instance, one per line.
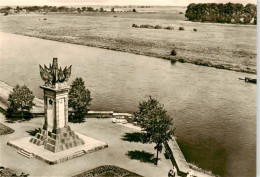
(248, 79)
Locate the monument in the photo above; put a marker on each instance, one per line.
(56, 142)
(56, 135)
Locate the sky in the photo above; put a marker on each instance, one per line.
(116, 2)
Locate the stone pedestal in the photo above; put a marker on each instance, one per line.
(56, 135)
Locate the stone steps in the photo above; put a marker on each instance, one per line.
(80, 153)
(25, 154)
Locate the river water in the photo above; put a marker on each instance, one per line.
(214, 112)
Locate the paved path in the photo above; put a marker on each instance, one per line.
(100, 129)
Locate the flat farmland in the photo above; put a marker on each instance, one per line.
(225, 46)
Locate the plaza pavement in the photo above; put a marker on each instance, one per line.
(100, 129)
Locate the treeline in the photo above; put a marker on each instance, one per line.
(53, 9)
(222, 13)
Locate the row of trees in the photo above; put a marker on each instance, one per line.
(54, 9)
(222, 13)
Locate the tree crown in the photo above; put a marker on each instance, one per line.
(21, 98)
(153, 119)
(79, 97)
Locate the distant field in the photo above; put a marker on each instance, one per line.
(223, 46)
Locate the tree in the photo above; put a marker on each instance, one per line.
(158, 126)
(21, 99)
(101, 9)
(90, 9)
(79, 98)
(79, 10)
(112, 9)
(18, 8)
(83, 9)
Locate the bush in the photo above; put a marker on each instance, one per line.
(181, 60)
(194, 29)
(173, 60)
(134, 10)
(169, 28)
(146, 26)
(181, 28)
(173, 52)
(135, 26)
(158, 27)
(18, 114)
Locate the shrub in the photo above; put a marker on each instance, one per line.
(135, 26)
(158, 27)
(173, 60)
(173, 52)
(169, 28)
(181, 28)
(134, 10)
(181, 60)
(146, 26)
(16, 115)
(194, 29)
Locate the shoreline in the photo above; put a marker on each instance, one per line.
(172, 59)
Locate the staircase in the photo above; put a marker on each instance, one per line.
(25, 153)
(79, 153)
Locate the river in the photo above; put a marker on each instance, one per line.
(214, 112)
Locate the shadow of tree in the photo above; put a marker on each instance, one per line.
(77, 119)
(33, 132)
(15, 120)
(137, 137)
(141, 156)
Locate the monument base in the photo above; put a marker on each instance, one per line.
(29, 149)
(62, 139)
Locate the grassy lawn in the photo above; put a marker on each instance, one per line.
(100, 129)
(217, 45)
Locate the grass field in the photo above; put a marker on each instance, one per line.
(223, 46)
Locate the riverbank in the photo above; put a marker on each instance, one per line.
(230, 47)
